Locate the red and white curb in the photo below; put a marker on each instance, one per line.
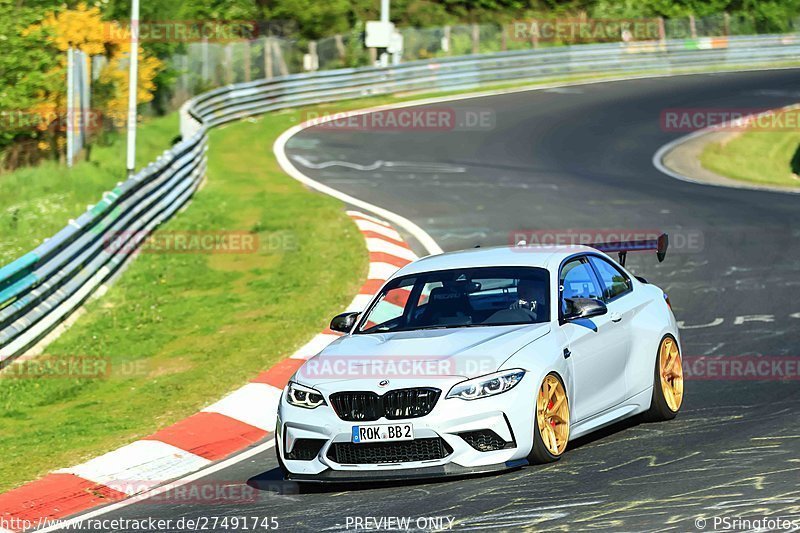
(238, 421)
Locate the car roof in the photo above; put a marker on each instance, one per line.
(541, 256)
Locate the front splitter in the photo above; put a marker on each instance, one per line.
(430, 472)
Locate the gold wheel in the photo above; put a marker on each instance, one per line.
(671, 373)
(552, 415)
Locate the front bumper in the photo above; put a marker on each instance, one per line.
(508, 415)
(404, 474)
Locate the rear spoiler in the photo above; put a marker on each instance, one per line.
(622, 248)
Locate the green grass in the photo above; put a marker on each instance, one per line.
(36, 202)
(183, 330)
(759, 157)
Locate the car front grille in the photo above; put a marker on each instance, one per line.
(429, 449)
(394, 405)
(485, 440)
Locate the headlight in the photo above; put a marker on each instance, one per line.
(484, 386)
(305, 397)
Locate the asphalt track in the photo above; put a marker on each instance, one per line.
(581, 158)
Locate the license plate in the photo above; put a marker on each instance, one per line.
(383, 433)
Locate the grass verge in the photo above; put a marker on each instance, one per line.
(36, 202)
(759, 157)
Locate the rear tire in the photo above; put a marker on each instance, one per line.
(551, 421)
(667, 382)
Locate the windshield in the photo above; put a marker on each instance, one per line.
(461, 298)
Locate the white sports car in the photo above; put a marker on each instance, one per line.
(483, 360)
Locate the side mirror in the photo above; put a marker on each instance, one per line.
(583, 308)
(344, 323)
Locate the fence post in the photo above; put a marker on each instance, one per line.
(281, 62)
(228, 64)
(267, 58)
(446, 40)
(247, 59)
(476, 38)
(662, 31)
(70, 103)
(503, 37)
(206, 62)
(692, 27)
(340, 49)
(727, 21)
(313, 57)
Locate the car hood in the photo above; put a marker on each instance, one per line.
(415, 356)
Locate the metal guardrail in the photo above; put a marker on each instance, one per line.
(44, 287)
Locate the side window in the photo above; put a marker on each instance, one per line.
(578, 281)
(615, 282)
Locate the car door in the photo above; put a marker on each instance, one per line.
(597, 346)
(617, 291)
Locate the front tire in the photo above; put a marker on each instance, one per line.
(551, 427)
(667, 382)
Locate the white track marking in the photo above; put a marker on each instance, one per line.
(359, 214)
(222, 465)
(382, 271)
(327, 164)
(139, 466)
(418, 233)
(360, 303)
(255, 404)
(384, 246)
(368, 225)
(314, 346)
